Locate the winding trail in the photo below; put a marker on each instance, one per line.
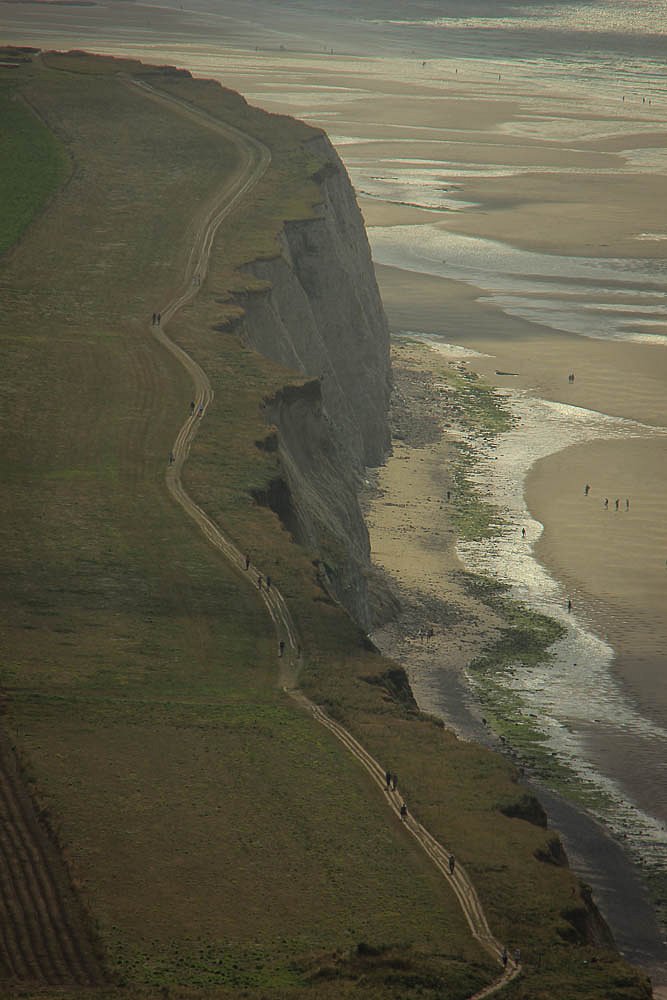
(255, 160)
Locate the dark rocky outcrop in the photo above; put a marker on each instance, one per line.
(527, 807)
(585, 923)
(394, 682)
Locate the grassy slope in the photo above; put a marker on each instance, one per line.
(220, 836)
(32, 166)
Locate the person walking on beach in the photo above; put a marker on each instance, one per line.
(606, 502)
(523, 532)
(154, 319)
(627, 504)
(569, 605)
(587, 490)
(617, 503)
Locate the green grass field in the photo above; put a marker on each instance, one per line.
(223, 843)
(33, 164)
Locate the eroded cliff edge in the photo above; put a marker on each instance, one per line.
(318, 312)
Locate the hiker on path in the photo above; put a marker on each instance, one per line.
(268, 583)
(387, 778)
(158, 318)
(171, 458)
(404, 811)
(452, 864)
(503, 958)
(523, 532)
(247, 562)
(281, 647)
(200, 411)
(394, 781)
(259, 582)
(569, 605)
(154, 319)
(192, 406)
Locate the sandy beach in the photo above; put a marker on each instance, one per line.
(616, 568)
(514, 211)
(413, 536)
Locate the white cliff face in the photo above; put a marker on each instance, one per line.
(322, 316)
(316, 498)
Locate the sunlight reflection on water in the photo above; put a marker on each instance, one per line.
(574, 692)
(511, 276)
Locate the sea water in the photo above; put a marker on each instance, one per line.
(544, 288)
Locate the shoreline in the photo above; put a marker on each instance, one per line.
(413, 538)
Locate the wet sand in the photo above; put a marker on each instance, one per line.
(413, 539)
(613, 559)
(620, 378)
(615, 567)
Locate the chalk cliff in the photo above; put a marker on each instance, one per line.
(320, 314)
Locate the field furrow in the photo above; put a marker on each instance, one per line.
(59, 933)
(21, 909)
(40, 940)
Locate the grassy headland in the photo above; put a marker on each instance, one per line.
(224, 844)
